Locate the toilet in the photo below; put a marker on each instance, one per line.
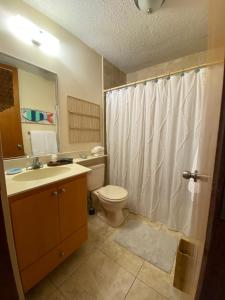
(112, 198)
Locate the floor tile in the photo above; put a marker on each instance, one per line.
(140, 291)
(82, 285)
(160, 281)
(41, 291)
(56, 296)
(99, 278)
(101, 269)
(98, 232)
(116, 280)
(122, 256)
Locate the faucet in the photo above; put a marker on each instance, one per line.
(36, 164)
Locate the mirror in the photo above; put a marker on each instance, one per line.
(30, 123)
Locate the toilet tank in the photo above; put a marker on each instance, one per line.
(95, 179)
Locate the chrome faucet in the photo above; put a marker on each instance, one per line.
(36, 164)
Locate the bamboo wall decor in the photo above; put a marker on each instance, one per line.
(84, 121)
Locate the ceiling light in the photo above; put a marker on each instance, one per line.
(30, 33)
(148, 6)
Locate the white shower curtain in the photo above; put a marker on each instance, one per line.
(152, 134)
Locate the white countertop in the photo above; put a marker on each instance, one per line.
(88, 158)
(15, 187)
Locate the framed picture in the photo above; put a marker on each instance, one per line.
(29, 115)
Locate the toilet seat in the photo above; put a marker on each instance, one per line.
(113, 193)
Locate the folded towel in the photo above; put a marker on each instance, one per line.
(43, 142)
(51, 142)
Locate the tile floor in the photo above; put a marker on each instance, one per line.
(103, 270)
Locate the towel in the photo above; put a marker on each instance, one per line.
(43, 142)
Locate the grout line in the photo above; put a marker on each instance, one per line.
(61, 293)
(130, 288)
(117, 262)
(140, 268)
(136, 278)
(147, 284)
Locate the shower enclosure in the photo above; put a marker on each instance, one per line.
(153, 132)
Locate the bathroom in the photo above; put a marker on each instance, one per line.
(109, 118)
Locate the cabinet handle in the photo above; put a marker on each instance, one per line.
(55, 193)
(63, 190)
(19, 146)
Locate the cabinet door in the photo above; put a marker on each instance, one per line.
(73, 206)
(35, 221)
(10, 123)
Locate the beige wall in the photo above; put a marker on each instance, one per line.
(216, 24)
(36, 92)
(78, 67)
(174, 65)
(112, 75)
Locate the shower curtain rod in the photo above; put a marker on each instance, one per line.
(161, 76)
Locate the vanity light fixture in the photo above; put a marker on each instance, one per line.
(148, 6)
(30, 33)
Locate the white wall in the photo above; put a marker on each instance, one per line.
(78, 67)
(36, 92)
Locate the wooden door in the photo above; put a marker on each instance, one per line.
(73, 206)
(10, 287)
(10, 123)
(201, 201)
(213, 268)
(35, 220)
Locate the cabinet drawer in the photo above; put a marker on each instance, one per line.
(38, 270)
(72, 243)
(35, 221)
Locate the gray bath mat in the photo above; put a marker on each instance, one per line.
(157, 247)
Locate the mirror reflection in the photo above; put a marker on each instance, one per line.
(29, 124)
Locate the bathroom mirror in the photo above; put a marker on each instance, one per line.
(34, 109)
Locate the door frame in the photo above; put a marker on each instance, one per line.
(210, 281)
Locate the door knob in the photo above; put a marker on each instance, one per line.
(189, 175)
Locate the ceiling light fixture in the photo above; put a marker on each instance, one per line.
(30, 33)
(148, 6)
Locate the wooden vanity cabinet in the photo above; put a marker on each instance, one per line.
(35, 221)
(70, 221)
(49, 223)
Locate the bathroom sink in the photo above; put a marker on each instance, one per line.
(41, 173)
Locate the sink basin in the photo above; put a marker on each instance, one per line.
(41, 173)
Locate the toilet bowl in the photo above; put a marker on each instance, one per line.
(111, 197)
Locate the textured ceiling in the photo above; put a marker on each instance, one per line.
(128, 38)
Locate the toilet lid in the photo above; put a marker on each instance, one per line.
(113, 193)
